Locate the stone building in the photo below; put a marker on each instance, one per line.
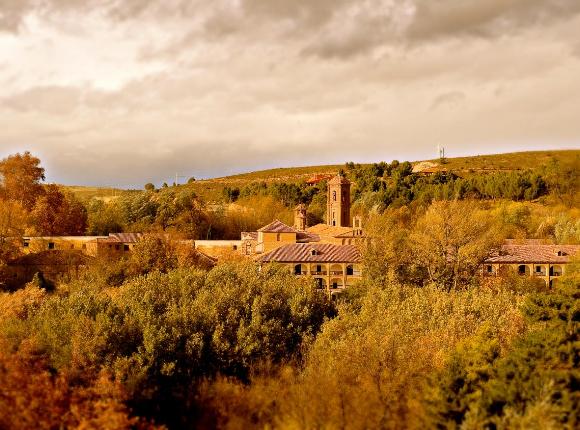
(338, 202)
(334, 267)
(531, 258)
(338, 229)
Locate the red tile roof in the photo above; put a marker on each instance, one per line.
(304, 236)
(277, 226)
(313, 253)
(533, 253)
(127, 237)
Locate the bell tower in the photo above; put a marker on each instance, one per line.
(338, 202)
(300, 217)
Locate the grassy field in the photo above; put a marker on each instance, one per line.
(211, 189)
(496, 162)
(508, 162)
(87, 193)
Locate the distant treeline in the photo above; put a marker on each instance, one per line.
(383, 185)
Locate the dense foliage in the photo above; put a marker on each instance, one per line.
(163, 338)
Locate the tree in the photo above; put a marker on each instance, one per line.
(13, 220)
(56, 213)
(103, 218)
(149, 187)
(451, 240)
(20, 177)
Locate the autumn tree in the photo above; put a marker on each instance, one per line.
(58, 213)
(20, 177)
(451, 240)
(13, 220)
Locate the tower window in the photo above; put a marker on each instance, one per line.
(334, 195)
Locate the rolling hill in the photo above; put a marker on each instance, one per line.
(211, 189)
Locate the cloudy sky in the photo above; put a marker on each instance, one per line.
(114, 92)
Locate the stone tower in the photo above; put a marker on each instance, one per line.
(338, 202)
(300, 217)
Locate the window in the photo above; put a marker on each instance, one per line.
(489, 268)
(125, 247)
(538, 269)
(334, 195)
(26, 244)
(335, 285)
(278, 237)
(349, 270)
(117, 247)
(248, 248)
(235, 247)
(318, 268)
(298, 269)
(51, 245)
(522, 270)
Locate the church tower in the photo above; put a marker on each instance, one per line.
(338, 202)
(300, 217)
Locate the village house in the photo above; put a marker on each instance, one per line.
(334, 267)
(94, 246)
(531, 258)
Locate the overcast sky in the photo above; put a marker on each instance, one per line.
(113, 92)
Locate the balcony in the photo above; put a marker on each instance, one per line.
(321, 272)
(336, 272)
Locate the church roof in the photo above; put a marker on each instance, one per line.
(339, 180)
(277, 226)
(313, 253)
(533, 253)
(331, 231)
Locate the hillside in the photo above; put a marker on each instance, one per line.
(211, 189)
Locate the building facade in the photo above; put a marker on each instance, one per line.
(334, 267)
(531, 258)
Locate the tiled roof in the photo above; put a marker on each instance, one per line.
(303, 236)
(339, 179)
(127, 237)
(535, 253)
(277, 226)
(313, 253)
(330, 230)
